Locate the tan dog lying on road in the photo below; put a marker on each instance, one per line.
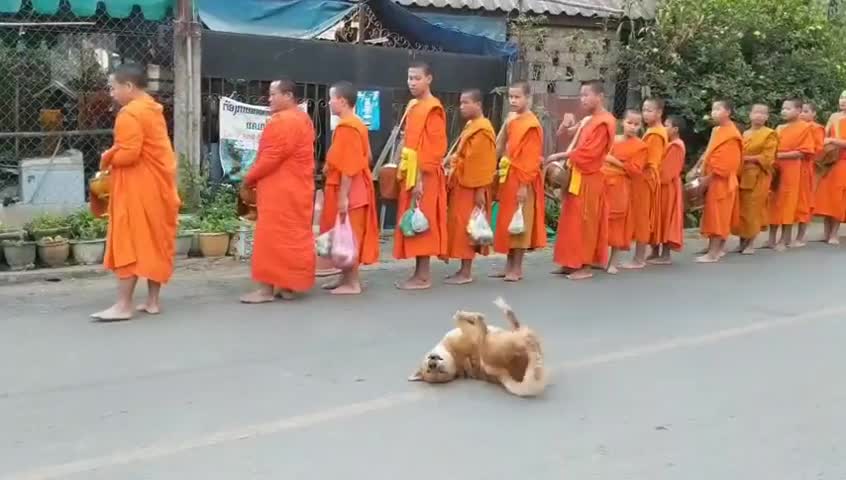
(511, 358)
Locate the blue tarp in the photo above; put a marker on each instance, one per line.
(494, 28)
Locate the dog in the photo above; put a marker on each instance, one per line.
(511, 358)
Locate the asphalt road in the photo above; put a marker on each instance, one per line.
(729, 371)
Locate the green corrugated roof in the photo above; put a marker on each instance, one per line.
(152, 9)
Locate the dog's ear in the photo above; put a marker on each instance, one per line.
(416, 376)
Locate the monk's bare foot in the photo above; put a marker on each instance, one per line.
(633, 265)
(149, 308)
(798, 244)
(582, 274)
(496, 275)
(703, 251)
(258, 296)
(659, 261)
(748, 251)
(332, 285)
(780, 248)
(513, 277)
(562, 271)
(458, 279)
(414, 284)
(113, 314)
(833, 241)
(285, 294)
(769, 246)
(612, 270)
(708, 258)
(347, 289)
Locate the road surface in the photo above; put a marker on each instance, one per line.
(688, 372)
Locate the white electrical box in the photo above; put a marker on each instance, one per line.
(53, 181)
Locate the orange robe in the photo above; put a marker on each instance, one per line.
(646, 211)
(425, 136)
(349, 156)
(671, 218)
(723, 157)
(784, 203)
(632, 152)
(521, 166)
(583, 226)
(283, 173)
(830, 197)
(750, 212)
(474, 167)
(144, 202)
(807, 174)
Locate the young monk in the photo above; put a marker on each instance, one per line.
(283, 174)
(349, 195)
(626, 161)
(796, 143)
(520, 184)
(144, 203)
(422, 179)
(646, 211)
(722, 161)
(671, 218)
(760, 144)
(472, 169)
(830, 199)
(807, 174)
(583, 226)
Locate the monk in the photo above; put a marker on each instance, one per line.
(283, 174)
(646, 211)
(796, 143)
(830, 199)
(143, 205)
(670, 235)
(722, 160)
(583, 226)
(520, 184)
(349, 195)
(807, 174)
(472, 170)
(760, 144)
(422, 179)
(626, 161)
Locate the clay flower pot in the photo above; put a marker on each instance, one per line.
(88, 252)
(184, 240)
(19, 255)
(214, 245)
(53, 253)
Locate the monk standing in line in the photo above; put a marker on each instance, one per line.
(807, 174)
(472, 170)
(283, 174)
(671, 214)
(144, 204)
(722, 160)
(583, 226)
(831, 192)
(760, 144)
(422, 180)
(520, 184)
(349, 195)
(626, 161)
(796, 143)
(646, 195)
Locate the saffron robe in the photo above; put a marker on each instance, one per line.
(521, 166)
(807, 175)
(349, 156)
(632, 152)
(426, 144)
(723, 157)
(583, 227)
(671, 203)
(830, 197)
(645, 188)
(750, 215)
(283, 173)
(473, 167)
(143, 206)
(784, 202)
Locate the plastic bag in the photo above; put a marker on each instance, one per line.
(479, 229)
(323, 244)
(517, 225)
(406, 223)
(419, 222)
(344, 252)
(413, 221)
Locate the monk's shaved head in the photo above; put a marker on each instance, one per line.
(810, 106)
(284, 85)
(676, 121)
(657, 102)
(421, 65)
(797, 103)
(726, 104)
(523, 86)
(346, 92)
(596, 86)
(473, 94)
(131, 73)
(760, 106)
(631, 112)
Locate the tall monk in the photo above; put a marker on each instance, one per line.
(830, 196)
(472, 170)
(646, 195)
(722, 160)
(796, 144)
(283, 174)
(807, 174)
(520, 184)
(583, 226)
(144, 203)
(671, 214)
(760, 144)
(626, 161)
(349, 195)
(422, 179)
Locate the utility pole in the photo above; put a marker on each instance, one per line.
(187, 107)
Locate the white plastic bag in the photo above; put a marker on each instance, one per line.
(419, 223)
(517, 225)
(479, 229)
(323, 244)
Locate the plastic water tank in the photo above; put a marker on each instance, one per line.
(60, 180)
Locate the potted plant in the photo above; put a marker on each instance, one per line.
(214, 235)
(10, 233)
(89, 237)
(48, 225)
(53, 251)
(19, 254)
(189, 227)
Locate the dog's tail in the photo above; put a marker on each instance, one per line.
(509, 313)
(534, 381)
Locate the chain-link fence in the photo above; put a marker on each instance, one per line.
(56, 114)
